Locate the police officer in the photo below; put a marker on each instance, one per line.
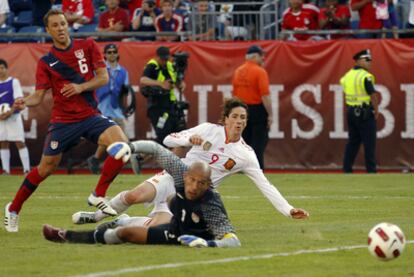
(157, 84)
(362, 111)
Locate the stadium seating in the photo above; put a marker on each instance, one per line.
(20, 5)
(23, 19)
(7, 30)
(29, 29)
(10, 18)
(88, 28)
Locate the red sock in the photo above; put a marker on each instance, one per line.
(29, 185)
(110, 170)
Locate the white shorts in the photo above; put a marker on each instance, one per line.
(164, 187)
(12, 129)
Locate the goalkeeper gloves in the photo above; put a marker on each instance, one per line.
(119, 150)
(193, 241)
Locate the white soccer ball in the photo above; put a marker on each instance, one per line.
(4, 108)
(386, 241)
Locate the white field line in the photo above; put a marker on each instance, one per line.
(222, 261)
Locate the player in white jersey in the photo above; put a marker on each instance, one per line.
(11, 122)
(222, 147)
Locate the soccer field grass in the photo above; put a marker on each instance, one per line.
(343, 209)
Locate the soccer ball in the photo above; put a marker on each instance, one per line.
(386, 241)
(4, 108)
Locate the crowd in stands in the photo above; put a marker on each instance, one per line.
(205, 20)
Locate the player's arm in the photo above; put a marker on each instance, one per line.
(272, 194)
(32, 100)
(186, 138)
(219, 226)
(164, 157)
(228, 240)
(99, 80)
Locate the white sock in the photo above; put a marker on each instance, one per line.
(117, 203)
(5, 159)
(24, 157)
(111, 237)
(136, 221)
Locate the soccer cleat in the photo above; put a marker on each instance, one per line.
(54, 234)
(112, 224)
(11, 220)
(93, 165)
(83, 217)
(101, 203)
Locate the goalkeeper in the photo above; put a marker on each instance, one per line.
(199, 217)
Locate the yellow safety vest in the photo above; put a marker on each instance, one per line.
(162, 78)
(353, 83)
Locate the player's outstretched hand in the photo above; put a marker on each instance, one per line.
(119, 150)
(19, 104)
(298, 213)
(192, 241)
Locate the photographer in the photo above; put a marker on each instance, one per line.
(144, 19)
(157, 85)
(108, 98)
(334, 17)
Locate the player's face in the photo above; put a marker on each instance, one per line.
(294, 4)
(236, 122)
(57, 28)
(196, 184)
(3, 72)
(202, 6)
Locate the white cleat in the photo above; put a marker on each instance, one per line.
(83, 217)
(101, 203)
(11, 220)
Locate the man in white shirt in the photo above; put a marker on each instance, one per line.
(222, 147)
(11, 122)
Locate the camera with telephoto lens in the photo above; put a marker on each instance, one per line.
(180, 64)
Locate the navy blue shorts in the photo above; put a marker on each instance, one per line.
(62, 136)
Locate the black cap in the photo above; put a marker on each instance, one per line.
(110, 46)
(364, 54)
(163, 52)
(255, 49)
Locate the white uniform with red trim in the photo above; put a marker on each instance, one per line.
(224, 158)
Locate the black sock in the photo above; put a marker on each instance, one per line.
(81, 236)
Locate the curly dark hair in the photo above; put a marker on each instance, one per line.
(228, 105)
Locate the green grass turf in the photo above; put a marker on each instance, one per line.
(343, 209)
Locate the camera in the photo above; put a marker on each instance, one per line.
(180, 63)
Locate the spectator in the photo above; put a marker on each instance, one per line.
(4, 9)
(367, 16)
(133, 5)
(108, 98)
(115, 19)
(334, 17)
(167, 21)
(144, 21)
(78, 12)
(40, 8)
(385, 11)
(204, 24)
(11, 122)
(298, 18)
